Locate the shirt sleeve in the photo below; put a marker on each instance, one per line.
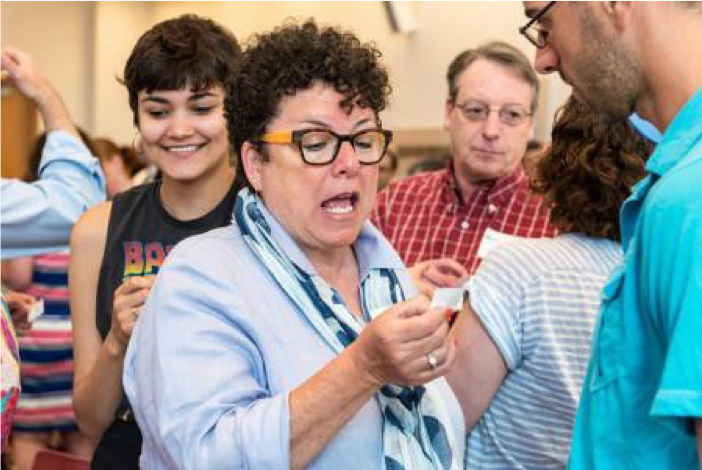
(195, 377)
(495, 293)
(9, 373)
(38, 217)
(672, 276)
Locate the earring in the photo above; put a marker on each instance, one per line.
(137, 145)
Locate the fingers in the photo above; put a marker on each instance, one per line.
(135, 283)
(129, 298)
(449, 266)
(421, 369)
(417, 327)
(442, 272)
(20, 300)
(445, 272)
(13, 62)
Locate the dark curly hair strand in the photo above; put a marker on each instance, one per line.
(588, 171)
(292, 58)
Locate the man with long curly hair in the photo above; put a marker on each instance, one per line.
(524, 337)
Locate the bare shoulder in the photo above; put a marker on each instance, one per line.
(91, 229)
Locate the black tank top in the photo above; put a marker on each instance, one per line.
(140, 233)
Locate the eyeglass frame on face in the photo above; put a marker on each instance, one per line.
(540, 38)
(501, 112)
(295, 137)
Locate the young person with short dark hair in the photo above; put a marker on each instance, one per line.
(176, 76)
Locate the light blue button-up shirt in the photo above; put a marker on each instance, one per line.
(643, 388)
(38, 217)
(219, 347)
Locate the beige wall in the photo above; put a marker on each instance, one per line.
(59, 35)
(83, 47)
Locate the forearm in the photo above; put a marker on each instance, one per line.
(38, 217)
(97, 395)
(53, 111)
(321, 406)
(17, 273)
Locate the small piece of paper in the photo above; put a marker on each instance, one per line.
(36, 310)
(448, 297)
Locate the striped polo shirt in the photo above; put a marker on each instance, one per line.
(538, 299)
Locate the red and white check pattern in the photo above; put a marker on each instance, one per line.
(424, 217)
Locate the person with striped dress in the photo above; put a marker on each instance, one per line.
(44, 416)
(524, 335)
(10, 372)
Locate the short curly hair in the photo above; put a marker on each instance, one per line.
(588, 171)
(292, 58)
(188, 50)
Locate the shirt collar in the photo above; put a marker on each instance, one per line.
(679, 137)
(373, 251)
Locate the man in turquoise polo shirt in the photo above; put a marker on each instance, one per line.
(641, 406)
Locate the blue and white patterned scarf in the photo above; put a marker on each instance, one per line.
(416, 429)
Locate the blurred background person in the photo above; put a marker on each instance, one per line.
(10, 372)
(441, 222)
(525, 334)
(388, 168)
(531, 157)
(176, 77)
(44, 417)
(120, 165)
(38, 217)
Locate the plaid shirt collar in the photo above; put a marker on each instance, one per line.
(497, 192)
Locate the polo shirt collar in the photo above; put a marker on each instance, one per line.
(682, 134)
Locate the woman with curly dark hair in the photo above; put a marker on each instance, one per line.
(290, 339)
(524, 337)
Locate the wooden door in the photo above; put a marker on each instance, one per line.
(19, 128)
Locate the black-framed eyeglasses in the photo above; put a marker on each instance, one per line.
(477, 111)
(534, 31)
(321, 146)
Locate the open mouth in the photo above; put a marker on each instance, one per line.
(341, 204)
(184, 148)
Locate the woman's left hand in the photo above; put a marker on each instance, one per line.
(406, 345)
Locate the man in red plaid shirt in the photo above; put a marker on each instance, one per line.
(442, 223)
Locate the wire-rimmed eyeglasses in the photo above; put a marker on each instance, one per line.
(477, 111)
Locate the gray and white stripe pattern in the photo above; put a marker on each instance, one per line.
(538, 300)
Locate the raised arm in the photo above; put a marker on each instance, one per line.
(38, 217)
(29, 80)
